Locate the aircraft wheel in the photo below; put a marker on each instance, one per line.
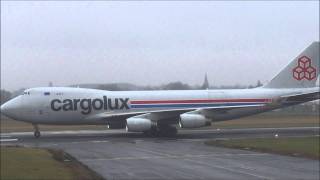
(163, 131)
(152, 133)
(168, 131)
(37, 134)
(36, 131)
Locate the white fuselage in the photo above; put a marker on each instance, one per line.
(61, 105)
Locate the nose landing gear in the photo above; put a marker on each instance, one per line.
(36, 131)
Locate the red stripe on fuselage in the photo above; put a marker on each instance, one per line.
(197, 101)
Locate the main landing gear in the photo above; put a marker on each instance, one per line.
(36, 131)
(162, 131)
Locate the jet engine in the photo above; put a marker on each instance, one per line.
(135, 124)
(193, 121)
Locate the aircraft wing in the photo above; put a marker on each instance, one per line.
(169, 114)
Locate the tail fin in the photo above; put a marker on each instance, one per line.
(302, 72)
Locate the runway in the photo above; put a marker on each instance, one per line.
(115, 154)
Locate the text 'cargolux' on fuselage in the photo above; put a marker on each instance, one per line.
(159, 112)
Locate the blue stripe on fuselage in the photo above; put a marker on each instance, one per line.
(136, 106)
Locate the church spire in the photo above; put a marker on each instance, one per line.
(205, 84)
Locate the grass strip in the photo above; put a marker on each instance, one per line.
(36, 163)
(293, 146)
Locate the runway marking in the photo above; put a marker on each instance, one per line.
(77, 142)
(194, 140)
(4, 136)
(8, 140)
(172, 156)
(247, 167)
(263, 137)
(99, 141)
(139, 140)
(52, 145)
(251, 129)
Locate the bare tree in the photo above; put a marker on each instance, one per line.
(5, 96)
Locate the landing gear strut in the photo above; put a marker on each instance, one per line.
(36, 131)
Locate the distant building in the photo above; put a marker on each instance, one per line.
(205, 84)
(50, 84)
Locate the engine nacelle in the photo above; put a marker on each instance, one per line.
(135, 124)
(193, 121)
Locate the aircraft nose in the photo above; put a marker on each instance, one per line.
(3, 108)
(11, 108)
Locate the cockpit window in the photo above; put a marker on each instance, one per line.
(46, 93)
(26, 93)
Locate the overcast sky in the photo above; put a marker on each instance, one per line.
(151, 43)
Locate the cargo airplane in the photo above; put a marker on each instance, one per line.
(159, 112)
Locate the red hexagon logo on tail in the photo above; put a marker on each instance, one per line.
(304, 69)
